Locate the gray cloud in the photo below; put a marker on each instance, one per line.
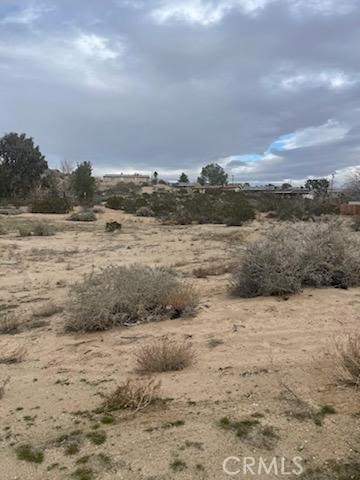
(118, 84)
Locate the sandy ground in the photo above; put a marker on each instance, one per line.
(255, 359)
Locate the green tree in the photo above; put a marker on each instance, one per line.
(183, 178)
(318, 185)
(83, 183)
(213, 174)
(286, 186)
(21, 165)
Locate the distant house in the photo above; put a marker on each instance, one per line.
(112, 180)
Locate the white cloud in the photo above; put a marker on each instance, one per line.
(27, 16)
(322, 7)
(336, 80)
(90, 45)
(85, 59)
(204, 12)
(330, 132)
(210, 12)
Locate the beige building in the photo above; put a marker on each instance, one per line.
(111, 180)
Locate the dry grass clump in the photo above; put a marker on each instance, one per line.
(127, 294)
(212, 270)
(39, 229)
(297, 255)
(3, 384)
(12, 355)
(83, 216)
(43, 229)
(164, 356)
(9, 324)
(47, 310)
(347, 359)
(132, 395)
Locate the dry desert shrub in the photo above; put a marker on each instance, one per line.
(12, 355)
(212, 270)
(9, 324)
(47, 310)
(347, 359)
(132, 395)
(164, 356)
(126, 295)
(43, 229)
(83, 216)
(294, 256)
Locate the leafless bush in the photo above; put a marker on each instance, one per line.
(298, 255)
(347, 359)
(132, 395)
(164, 356)
(127, 294)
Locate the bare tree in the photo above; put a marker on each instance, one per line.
(66, 166)
(352, 185)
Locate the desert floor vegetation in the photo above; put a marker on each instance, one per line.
(219, 374)
(294, 256)
(124, 295)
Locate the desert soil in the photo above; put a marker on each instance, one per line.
(263, 358)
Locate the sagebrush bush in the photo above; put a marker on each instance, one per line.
(347, 359)
(83, 216)
(127, 294)
(299, 255)
(43, 229)
(164, 356)
(144, 212)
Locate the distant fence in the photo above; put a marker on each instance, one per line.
(349, 209)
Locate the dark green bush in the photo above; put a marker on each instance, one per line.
(50, 204)
(115, 203)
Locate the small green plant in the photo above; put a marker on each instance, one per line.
(97, 437)
(83, 473)
(28, 453)
(107, 419)
(178, 465)
(72, 449)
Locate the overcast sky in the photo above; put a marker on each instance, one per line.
(268, 88)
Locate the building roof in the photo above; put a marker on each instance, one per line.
(125, 175)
